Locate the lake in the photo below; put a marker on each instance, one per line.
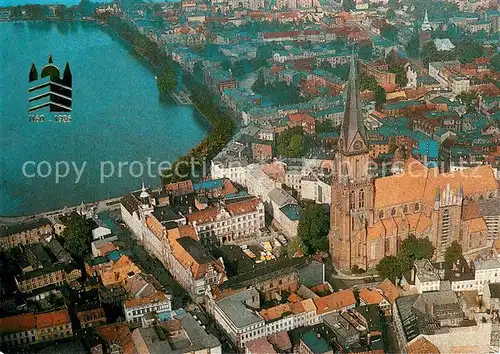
(116, 117)
(51, 2)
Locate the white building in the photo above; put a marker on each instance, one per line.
(315, 188)
(237, 317)
(259, 184)
(134, 208)
(286, 211)
(235, 170)
(443, 45)
(135, 309)
(230, 223)
(426, 276)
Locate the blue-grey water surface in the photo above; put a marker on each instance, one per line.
(116, 117)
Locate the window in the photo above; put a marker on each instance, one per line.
(361, 200)
(417, 207)
(381, 214)
(352, 201)
(405, 209)
(393, 211)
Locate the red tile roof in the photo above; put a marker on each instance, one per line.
(243, 206)
(203, 216)
(370, 296)
(118, 334)
(52, 319)
(335, 301)
(18, 323)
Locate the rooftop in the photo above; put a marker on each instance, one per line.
(335, 301)
(6, 230)
(425, 271)
(315, 343)
(236, 309)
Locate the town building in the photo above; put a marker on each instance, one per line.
(25, 233)
(426, 277)
(180, 334)
(135, 309)
(231, 223)
(491, 296)
(91, 316)
(30, 328)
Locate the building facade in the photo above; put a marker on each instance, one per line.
(371, 217)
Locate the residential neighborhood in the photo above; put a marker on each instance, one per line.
(345, 197)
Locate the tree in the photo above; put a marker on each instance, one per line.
(61, 12)
(453, 253)
(468, 98)
(166, 81)
(348, 5)
(390, 32)
(77, 235)
(341, 71)
(16, 12)
(380, 95)
(467, 51)
(399, 70)
(367, 82)
(495, 62)
(366, 52)
(291, 142)
(393, 4)
(413, 47)
(388, 267)
(391, 14)
(429, 52)
(413, 249)
(314, 225)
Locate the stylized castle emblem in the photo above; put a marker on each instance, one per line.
(50, 89)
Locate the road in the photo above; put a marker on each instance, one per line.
(102, 205)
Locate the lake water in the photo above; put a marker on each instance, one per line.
(50, 2)
(116, 117)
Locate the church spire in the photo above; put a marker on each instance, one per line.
(426, 26)
(353, 135)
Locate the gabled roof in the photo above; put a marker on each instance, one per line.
(119, 271)
(370, 296)
(243, 206)
(156, 297)
(389, 289)
(421, 184)
(422, 346)
(335, 301)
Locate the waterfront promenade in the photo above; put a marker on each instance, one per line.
(98, 206)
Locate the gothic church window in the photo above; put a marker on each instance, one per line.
(405, 209)
(393, 211)
(352, 201)
(381, 214)
(361, 201)
(417, 207)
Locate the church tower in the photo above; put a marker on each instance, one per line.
(352, 185)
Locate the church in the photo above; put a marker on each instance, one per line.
(370, 217)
